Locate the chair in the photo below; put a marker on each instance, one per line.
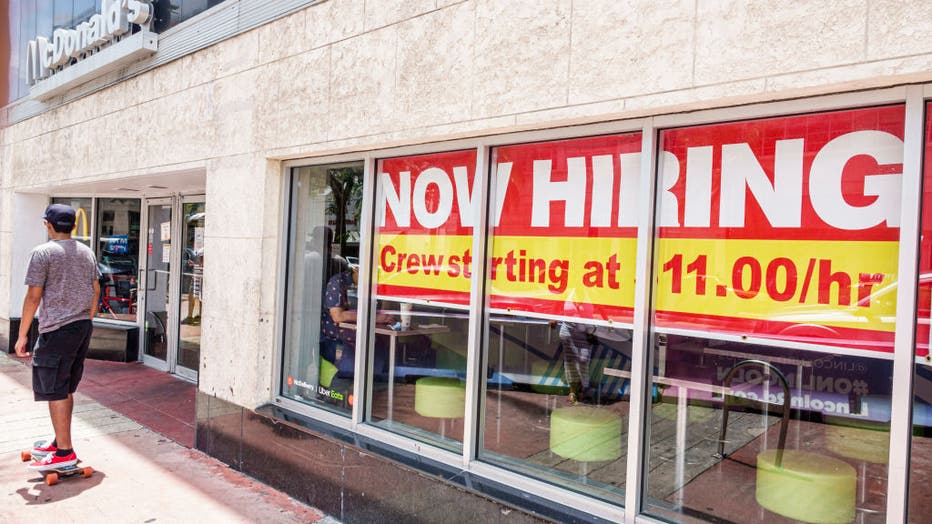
(797, 484)
(326, 372)
(585, 433)
(440, 397)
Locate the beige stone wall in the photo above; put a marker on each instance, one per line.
(349, 75)
(6, 218)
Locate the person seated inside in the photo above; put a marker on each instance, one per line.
(338, 308)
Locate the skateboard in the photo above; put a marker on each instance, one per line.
(54, 475)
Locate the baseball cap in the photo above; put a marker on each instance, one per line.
(60, 215)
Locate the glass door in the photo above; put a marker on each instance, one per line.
(192, 279)
(157, 296)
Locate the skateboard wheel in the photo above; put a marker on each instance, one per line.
(88, 471)
(51, 479)
(25, 456)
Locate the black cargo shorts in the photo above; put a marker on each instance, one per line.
(58, 360)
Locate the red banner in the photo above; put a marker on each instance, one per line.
(784, 228)
(565, 227)
(564, 221)
(426, 207)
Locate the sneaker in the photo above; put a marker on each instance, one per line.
(53, 461)
(44, 447)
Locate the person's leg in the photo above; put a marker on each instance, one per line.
(346, 365)
(347, 360)
(328, 350)
(60, 412)
(380, 359)
(584, 356)
(571, 370)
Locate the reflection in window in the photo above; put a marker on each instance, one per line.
(26, 31)
(423, 270)
(13, 41)
(920, 481)
(171, 13)
(561, 291)
(83, 10)
(117, 226)
(321, 304)
(62, 14)
(44, 21)
(774, 321)
(192, 280)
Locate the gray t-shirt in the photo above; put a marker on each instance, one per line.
(66, 270)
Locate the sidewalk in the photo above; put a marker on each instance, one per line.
(140, 475)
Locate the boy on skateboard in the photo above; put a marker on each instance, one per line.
(62, 276)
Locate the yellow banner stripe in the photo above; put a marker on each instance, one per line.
(831, 283)
(587, 270)
(425, 261)
(795, 281)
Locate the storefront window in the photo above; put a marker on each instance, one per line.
(423, 261)
(117, 226)
(775, 299)
(169, 13)
(322, 285)
(192, 283)
(82, 227)
(920, 481)
(21, 29)
(63, 13)
(561, 291)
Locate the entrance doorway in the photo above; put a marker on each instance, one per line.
(172, 280)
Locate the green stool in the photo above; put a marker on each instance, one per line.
(797, 484)
(440, 397)
(585, 433)
(327, 372)
(806, 486)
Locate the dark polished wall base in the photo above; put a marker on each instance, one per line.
(113, 342)
(11, 332)
(356, 479)
(5, 341)
(108, 342)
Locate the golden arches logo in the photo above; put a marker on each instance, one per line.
(80, 219)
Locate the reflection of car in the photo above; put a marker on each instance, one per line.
(819, 324)
(353, 260)
(191, 257)
(116, 265)
(867, 324)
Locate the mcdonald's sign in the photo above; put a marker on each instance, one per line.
(80, 220)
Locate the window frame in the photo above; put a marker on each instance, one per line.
(94, 237)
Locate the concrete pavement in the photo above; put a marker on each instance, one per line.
(140, 476)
